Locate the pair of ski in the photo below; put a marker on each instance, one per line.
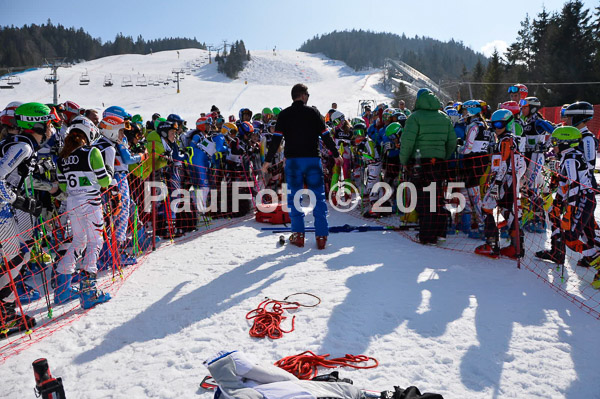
(346, 228)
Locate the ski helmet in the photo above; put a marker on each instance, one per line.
(244, 111)
(137, 118)
(87, 127)
(533, 102)
(579, 112)
(7, 116)
(34, 117)
(337, 118)
(356, 121)
(203, 123)
(267, 111)
(276, 111)
(70, 110)
(393, 129)
(246, 128)
(387, 114)
(565, 137)
(272, 123)
(257, 117)
(512, 106)
(158, 121)
(258, 125)
(455, 117)
(111, 125)
(229, 129)
(177, 119)
(503, 118)
(473, 107)
(402, 119)
(163, 128)
(116, 111)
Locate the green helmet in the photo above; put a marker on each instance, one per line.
(267, 111)
(276, 110)
(137, 118)
(257, 117)
(34, 116)
(393, 128)
(158, 121)
(566, 137)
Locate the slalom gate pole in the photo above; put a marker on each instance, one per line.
(153, 202)
(515, 203)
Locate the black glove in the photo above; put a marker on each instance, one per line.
(28, 205)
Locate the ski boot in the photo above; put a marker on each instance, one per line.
(590, 260)
(11, 322)
(511, 250)
(552, 255)
(321, 242)
(490, 248)
(91, 296)
(477, 234)
(297, 239)
(27, 293)
(64, 292)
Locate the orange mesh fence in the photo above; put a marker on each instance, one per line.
(175, 203)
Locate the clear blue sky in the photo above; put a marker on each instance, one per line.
(263, 24)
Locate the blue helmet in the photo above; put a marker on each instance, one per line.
(503, 118)
(258, 125)
(455, 117)
(176, 118)
(473, 107)
(243, 111)
(116, 111)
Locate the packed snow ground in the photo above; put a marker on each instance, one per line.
(445, 321)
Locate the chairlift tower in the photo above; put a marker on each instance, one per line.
(178, 72)
(53, 77)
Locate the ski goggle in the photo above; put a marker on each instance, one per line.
(499, 124)
(513, 89)
(523, 103)
(337, 122)
(359, 132)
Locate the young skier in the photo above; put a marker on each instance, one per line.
(502, 189)
(82, 175)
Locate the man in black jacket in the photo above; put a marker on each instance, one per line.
(302, 127)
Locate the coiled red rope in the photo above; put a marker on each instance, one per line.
(304, 365)
(269, 315)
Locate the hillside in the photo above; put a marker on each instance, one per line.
(265, 82)
(360, 49)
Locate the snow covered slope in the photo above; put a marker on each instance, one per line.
(269, 81)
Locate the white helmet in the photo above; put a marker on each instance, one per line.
(337, 116)
(110, 126)
(86, 126)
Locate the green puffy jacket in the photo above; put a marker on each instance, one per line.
(145, 169)
(427, 129)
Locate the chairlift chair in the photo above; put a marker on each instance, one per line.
(4, 84)
(108, 80)
(141, 81)
(14, 80)
(126, 82)
(84, 79)
(51, 79)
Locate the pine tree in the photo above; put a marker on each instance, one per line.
(493, 92)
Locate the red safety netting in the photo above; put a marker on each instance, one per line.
(465, 231)
(190, 200)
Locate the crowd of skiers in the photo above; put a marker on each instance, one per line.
(72, 180)
(72, 186)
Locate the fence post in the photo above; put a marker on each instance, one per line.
(153, 202)
(515, 201)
